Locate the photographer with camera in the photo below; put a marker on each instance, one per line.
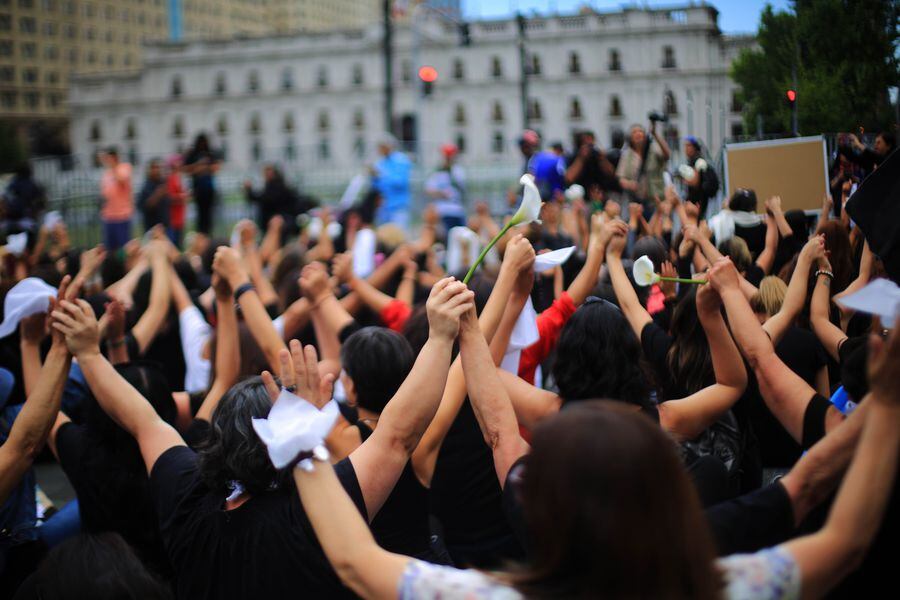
(589, 166)
(641, 165)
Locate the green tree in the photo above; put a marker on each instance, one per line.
(844, 56)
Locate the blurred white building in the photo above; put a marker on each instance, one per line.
(316, 100)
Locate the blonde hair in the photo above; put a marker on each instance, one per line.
(770, 297)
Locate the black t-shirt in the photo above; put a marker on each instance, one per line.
(401, 524)
(755, 236)
(467, 500)
(754, 274)
(113, 494)
(265, 548)
(655, 343)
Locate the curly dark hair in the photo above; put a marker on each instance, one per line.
(232, 451)
(598, 356)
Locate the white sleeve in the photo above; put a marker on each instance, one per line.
(195, 333)
(770, 574)
(423, 581)
(364, 253)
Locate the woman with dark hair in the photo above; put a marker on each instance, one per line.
(596, 519)
(201, 163)
(230, 522)
(100, 567)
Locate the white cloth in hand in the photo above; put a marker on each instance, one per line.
(28, 297)
(294, 426)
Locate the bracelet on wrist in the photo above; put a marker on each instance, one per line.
(826, 273)
(242, 289)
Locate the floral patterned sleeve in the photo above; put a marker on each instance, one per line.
(422, 580)
(770, 574)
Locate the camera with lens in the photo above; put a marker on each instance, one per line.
(655, 117)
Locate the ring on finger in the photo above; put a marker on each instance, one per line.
(289, 388)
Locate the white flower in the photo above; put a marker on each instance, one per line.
(530, 209)
(575, 192)
(643, 272)
(294, 426)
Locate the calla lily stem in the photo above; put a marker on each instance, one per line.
(487, 249)
(681, 280)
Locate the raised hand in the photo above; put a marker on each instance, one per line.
(723, 276)
(90, 260)
(519, 254)
(618, 238)
(300, 375)
(112, 323)
(708, 299)
(668, 287)
(884, 364)
(314, 283)
(221, 287)
(814, 249)
(448, 300)
(227, 263)
(773, 204)
(33, 329)
(342, 267)
(77, 322)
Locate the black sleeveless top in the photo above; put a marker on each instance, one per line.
(402, 524)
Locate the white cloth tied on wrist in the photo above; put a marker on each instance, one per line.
(548, 260)
(294, 426)
(28, 297)
(525, 333)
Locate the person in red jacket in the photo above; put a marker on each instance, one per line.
(177, 200)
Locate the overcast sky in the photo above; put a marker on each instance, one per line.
(734, 15)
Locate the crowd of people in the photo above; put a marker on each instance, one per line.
(330, 407)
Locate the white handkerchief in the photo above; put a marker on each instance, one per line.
(364, 253)
(880, 297)
(294, 426)
(16, 243)
(524, 334)
(28, 297)
(548, 260)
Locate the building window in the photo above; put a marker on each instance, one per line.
(615, 61)
(178, 128)
(29, 50)
(290, 151)
(672, 136)
(357, 76)
(51, 52)
(255, 127)
(27, 25)
(175, 87)
(406, 71)
(7, 73)
(459, 114)
(322, 77)
(221, 87)
(575, 112)
(73, 56)
(359, 147)
(5, 22)
(459, 71)
(71, 31)
(130, 130)
(287, 80)
(252, 82)
(497, 143)
(574, 63)
(288, 125)
(32, 99)
(222, 126)
(8, 99)
(49, 28)
(324, 149)
(110, 60)
(30, 75)
(256, 153)
(6, 48)
(496, 68)
(668, 61)
(359, 120)
(535, 67)
(534, 110)
(497, 112)
(323, 122)
(90, 34)
(670, 107)
(54, 100)
(96, 133)
(736, 104)
(615, 107)
(460, 142)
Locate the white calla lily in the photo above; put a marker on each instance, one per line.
(643, 272)
(574, 192)
(530, 209)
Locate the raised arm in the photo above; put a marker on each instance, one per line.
(637, 315)
(490, 403)
(328, 316)
(32, 426)
(228, 349)
(786, 394)
(865, 273)
(826, 557)
(689, 417)
(32, 331)
(228, 266)
(795, 297)
(116, 397)
(150, 323)
(830, 335)
(381, 458)
(586, 280)
(766, 258)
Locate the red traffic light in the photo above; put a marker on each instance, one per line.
(428, 74)
(791, 95)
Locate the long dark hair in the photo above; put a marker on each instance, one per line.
(688, 357)
(598, 522)
(840, 254)
(598, 356)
